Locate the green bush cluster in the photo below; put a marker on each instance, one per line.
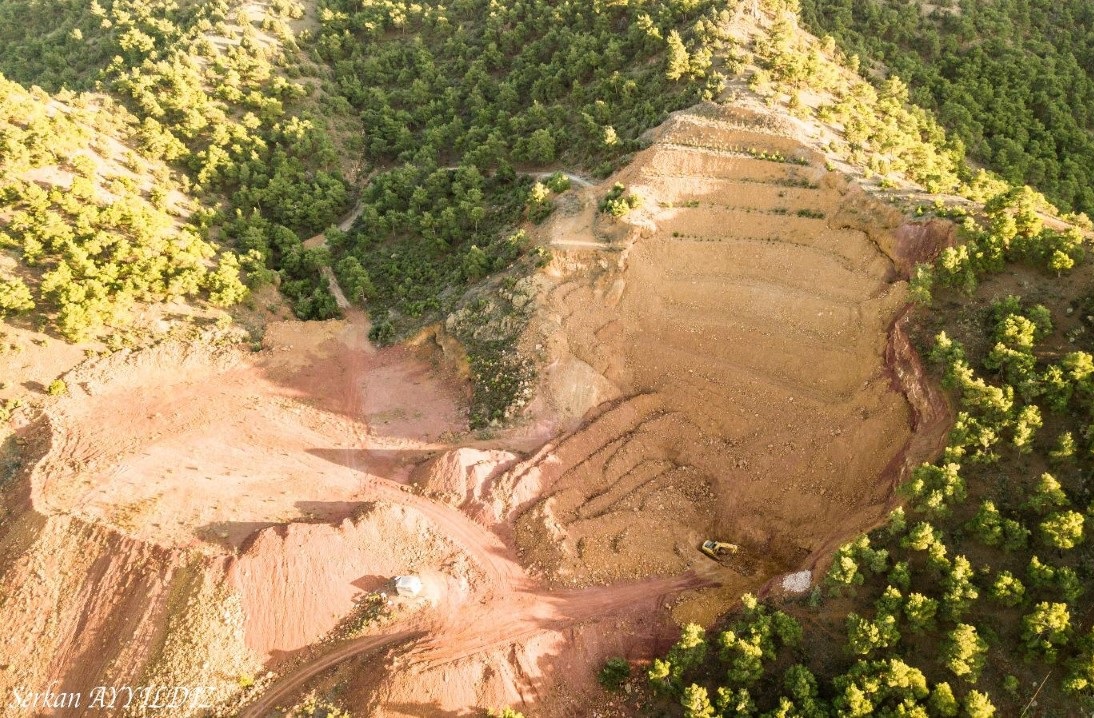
(618, 202)
(224, 115)
(614, 673)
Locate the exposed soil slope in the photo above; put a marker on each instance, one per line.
(175, 446)
(231, 507)
(739, 324)
(727, 362)
(198, 511)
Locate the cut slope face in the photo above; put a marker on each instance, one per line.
(198, 511)
(175, 446)
(744, 326)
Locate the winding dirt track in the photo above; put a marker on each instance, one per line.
(509, 617)
(290, 685)
(347, 221)
(506, 606)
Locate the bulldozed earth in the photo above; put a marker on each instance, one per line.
(727, 362)
(733, 360)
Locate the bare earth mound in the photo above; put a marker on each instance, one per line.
(199, 511)
(741, 320)
(200, 514)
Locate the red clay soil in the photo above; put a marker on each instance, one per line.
(730, 362)
(222, 493)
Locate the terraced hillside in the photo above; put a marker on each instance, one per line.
(742, 322)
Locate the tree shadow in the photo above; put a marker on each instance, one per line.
(36, 386)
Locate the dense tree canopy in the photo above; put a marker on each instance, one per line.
(1013, 79)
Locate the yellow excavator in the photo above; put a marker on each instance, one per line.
(718, 550)
(731, 556)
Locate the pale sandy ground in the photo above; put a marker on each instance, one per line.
(732, 356)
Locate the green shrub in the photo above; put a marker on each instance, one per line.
(617, 202)
(614, 673)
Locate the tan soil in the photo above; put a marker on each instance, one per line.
(745, 347)
(161, 465)
(176, 446)
(230, 507)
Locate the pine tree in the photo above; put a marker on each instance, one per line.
(1063, 530)
(677, 62)
(920, 611)
(1007, 589)
(963, 652)
(1046, 628)
(696, 703)
(978, 705)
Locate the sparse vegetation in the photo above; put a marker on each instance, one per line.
(504, 713)
(618, 202)
(614, 673)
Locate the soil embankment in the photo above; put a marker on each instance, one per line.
(740, 325)
(196, 512)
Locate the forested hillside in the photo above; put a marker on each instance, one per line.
(153, 151)
(257, 111)
(98, 236)
(459, 102)
(1013, 79)
(204, 87)
(454, 98)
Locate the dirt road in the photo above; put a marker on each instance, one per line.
(498, 618)
(347, 221)
(285, 689)
(320, 240)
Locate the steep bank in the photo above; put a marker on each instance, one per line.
(86, 606)
(739, 325)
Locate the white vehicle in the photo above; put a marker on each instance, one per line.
(408, 586)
